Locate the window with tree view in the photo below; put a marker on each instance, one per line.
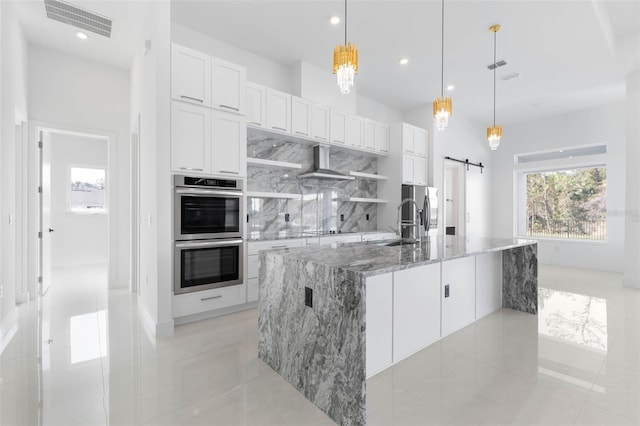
(568, 204)
(87, 190)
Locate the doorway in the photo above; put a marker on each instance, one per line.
(75, 202)
(454, 193)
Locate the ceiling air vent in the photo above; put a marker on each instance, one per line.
(497, 65)
(81, 18)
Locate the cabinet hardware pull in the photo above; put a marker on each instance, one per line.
(278, 128)
(254, 122)
(212, 297)
(190, 168)
(301, 133)
(229, 107)
(231, 173)
(191, 99)
(277, 247)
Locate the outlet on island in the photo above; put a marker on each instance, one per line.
(367, 216)
(308, 297)
(341, 218)
(286, 217)
(446, 290)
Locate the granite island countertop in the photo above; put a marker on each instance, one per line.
(375, 257)
(296, 234)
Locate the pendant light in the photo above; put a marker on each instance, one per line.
(345, 60)
(442, 109)
(494, 133)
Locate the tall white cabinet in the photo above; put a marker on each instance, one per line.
(208, 124)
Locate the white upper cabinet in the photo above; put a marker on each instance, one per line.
(190, 138)
(414, 170)
(414, 140)
(300, 117)
(256, 105)
(228, 86)
(229, 144)
(190, 75)
(278, 111)
(355, 131)
(320, 122)
(369, 134)
(382, 137)
(338, 126)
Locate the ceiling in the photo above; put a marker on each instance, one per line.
(567, 52)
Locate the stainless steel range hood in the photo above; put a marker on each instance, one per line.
(321, 168)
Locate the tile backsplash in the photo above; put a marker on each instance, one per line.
(320, 207)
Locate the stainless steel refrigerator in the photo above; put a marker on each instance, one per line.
(427, 200)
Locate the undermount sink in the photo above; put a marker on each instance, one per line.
(401, 242)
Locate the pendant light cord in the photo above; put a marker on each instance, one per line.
(345, 23)
(442, 55)
(494, 78)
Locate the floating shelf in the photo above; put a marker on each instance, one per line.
(272, 163)
(368, 176)
(364, 200)
(273, 195)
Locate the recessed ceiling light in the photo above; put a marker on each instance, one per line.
(335, 20)
(81, 36)
(404, 61)
(560, 151)
(451, 87)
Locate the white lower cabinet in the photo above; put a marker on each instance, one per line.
(208, 300)
(458, 294)
(379, 323)
(416, 309)
(252, 290)
(488, 283)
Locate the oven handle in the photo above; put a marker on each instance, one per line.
(194, 191)
(205, 244)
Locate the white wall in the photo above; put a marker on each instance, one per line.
(72, 92)
(79, 239)
(260, 70)
(13, 90)
(150, 98)
(605, 124)
(462, 139)
(370, 108)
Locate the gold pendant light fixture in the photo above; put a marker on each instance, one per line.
(345, 60)
(442, 108)
(494, 133)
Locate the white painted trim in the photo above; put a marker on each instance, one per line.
(186, 319)
(34, 173)
(153, 329)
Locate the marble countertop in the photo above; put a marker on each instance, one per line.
(374, 258)
(291, 234)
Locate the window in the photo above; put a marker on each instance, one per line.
(568, 204)
(88, 190)
(563, 193)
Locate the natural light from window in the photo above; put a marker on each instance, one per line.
(87, 190)
(568, 204)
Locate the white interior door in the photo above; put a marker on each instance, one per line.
(135, 208)
(454, 223)
(46, 229)
(475, 202)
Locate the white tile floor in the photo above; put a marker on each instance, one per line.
(577, 362)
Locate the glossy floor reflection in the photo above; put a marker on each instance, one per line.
(89, 362)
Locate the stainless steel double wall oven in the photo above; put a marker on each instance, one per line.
(208, 236)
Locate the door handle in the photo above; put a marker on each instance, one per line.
(51, 230)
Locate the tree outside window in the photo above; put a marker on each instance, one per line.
(567, 204)
(88, 192)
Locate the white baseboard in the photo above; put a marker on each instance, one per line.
(152, 328)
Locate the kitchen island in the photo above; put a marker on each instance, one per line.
(332, 316)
